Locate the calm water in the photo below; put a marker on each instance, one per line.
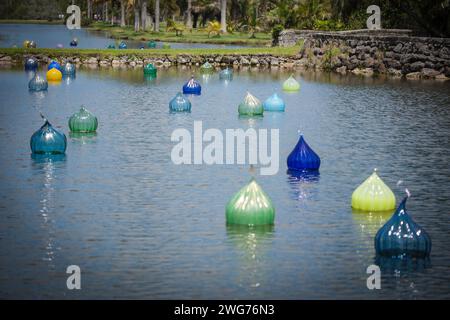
(142, 227)
(49, 36)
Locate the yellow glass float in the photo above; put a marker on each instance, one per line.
(291, 84)
(54, 75)
(373, 195)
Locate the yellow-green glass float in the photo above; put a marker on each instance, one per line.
(83, 121)
(166, 46)
(291, 84)
(251, 106)
(250, 206)
(373, 195)
(206, 67)
(150, 69)
(26, 43)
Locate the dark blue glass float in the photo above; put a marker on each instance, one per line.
(31, 64)
(226, 74)
(47, 140)
(73, 43)
(192, 87)
(54, 64)
(122, 45)
(38, 83)
(68, 69)
(180, 103)
(303, 158)
(402, 237)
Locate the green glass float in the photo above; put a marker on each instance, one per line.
(251, 106)
(151, 44)
(251, 206)
(166, 46)
(83, 121)
(291, 84)
(206, 67)
(150, 69)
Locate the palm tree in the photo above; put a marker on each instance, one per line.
(223, 16)
(136, 5)
(144, 15)
(89, 9)
(156, 15)
(189, 14)
(122, 13)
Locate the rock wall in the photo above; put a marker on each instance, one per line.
(391, 52)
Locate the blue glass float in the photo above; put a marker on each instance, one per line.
(68, 69)
(38, 83)
(122, 45)
(192, 87)
(226, 74)
(31, 64)
(303, 158)
(274, 103)
(54, 64)
(47, 140)
(402, 237)
(111, 46)
(180, 103)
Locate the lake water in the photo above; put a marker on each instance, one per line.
(141, 227)
(49, 36)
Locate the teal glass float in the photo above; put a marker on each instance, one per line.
(151, 44)
(31, 64)
(38, 83)
(83, 121)
(180, 103)
(226, 74)
(166, 46)
(402, 237)
(250, 206)
(192, 87)
(251, 106)
(68, 69)
(303, 158)
(206, 67)
(150, 69)
(54, 65)
(47, 140)
(274, 103)
(122, 45)
(291, 84)
(111, 46)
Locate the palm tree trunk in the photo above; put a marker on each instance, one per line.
(106, 11)
(157, 15)
(223, 16)
(136, 16)
(144, 15)
(89, 9)
(122, 13)
(189, 15)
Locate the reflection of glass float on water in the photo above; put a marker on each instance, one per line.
(150, 69)
(192, 87)
(302, 157)
(206, 67)
(37, 83)
(83, 121)
(251, 106)
(401, 236)
(180, 103)
(122, 45)
(250, 206)
(47, 140)
(68, 69)
(373, 195)
(54, 75)
(226, 74)
(274, 103)
(291, 84)
(31, 64)
(54, 64)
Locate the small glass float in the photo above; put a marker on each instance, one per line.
(151, 44)
(250, 206)
(373, 195)
(166, 46)
(31, 64)
(74, 43)
(26, 44)
(150, 69)
(291, 84)
(37, 83)
(47, 140)
(32, 44)
(226, 74)
(83, 121)
(68, 69)
(60, 46)
(192, 87)
(54, 75)
(251, 106)
(206, 67)
(274, 103)
(302, 157)
(111, 46)
(402, 237)
(122, 45)
(54, 64)
(180, 103)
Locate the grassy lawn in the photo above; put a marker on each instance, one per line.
(17, 21)
(194, 36)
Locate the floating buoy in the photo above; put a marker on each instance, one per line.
(206, 67)
(54, 75)
(54, 64)
(37, 83)
(31, 64)
(150, 69)
(166, 46)
(83, 121)
(373, 195)
(274, 103)
(68, 69)
(180, 103)
(226, 74)
(111, 46)
(122, 45)
(251, 106)
(26, 44)
(291, 84)
(303, 158)
(250, 206)
(151, 44)
(48, 140)
(192, 87)
(401, 236)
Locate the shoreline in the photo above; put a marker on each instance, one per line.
(17, 21)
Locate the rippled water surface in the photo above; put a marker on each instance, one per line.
(141, 227)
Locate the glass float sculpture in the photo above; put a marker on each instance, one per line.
(274, 103)
(68, 69)
(122, 45)
(373, 195)
(31, 64)
(226, 74)
(291, 84)
(151, 44)
(54, 64)
(54, 75)
(303, 158)
(73, 43)
(83, 121)
(251, 106)
(26, 44)
(47, 140)
(32, 44)
(402, 237)
(111, 46)
(192, 87)
(166, 46)
(250, 206)
(180, 103)
(150, 69)
(37, 83)
(206, 67)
